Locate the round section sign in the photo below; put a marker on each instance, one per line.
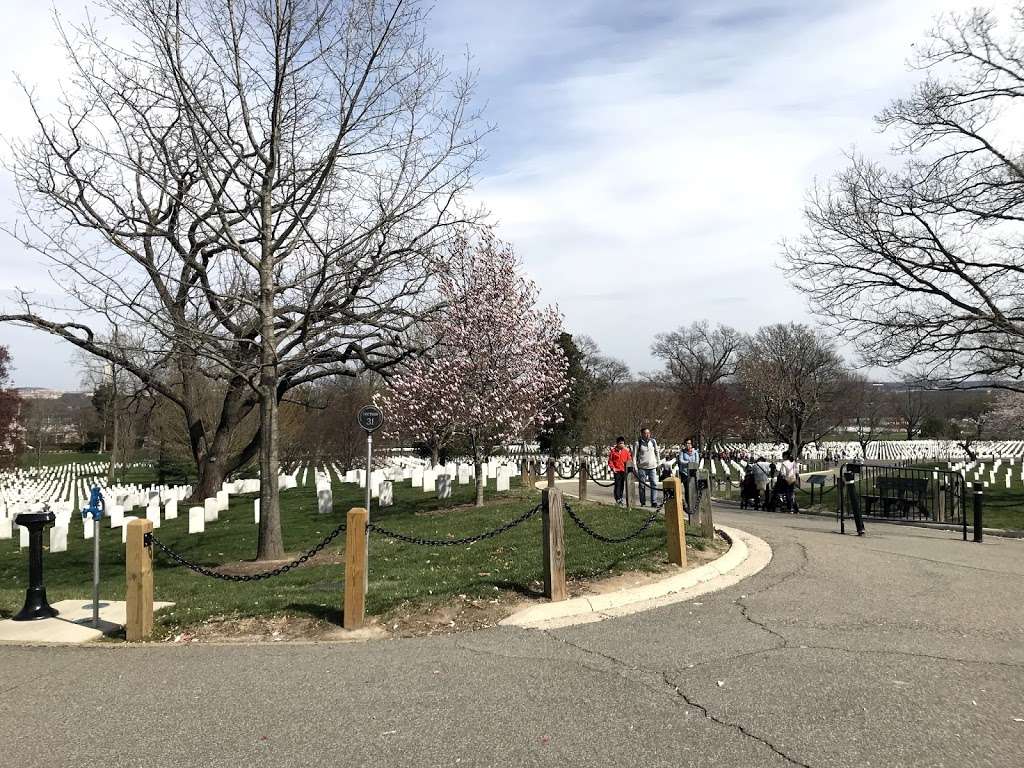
(370, 418)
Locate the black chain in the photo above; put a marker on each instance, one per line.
(454, 542)
(615, 539)
(570, 476)
(202, 570)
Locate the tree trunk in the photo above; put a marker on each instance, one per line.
(115, 449)
(481, 481)
(435, 454)
(211, 479)
(270, 545)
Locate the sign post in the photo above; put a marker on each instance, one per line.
(370, 418)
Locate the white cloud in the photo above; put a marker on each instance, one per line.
(650, 155)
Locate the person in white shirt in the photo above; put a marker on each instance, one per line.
(789, 475)
(646, 459)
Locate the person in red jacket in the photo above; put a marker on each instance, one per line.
(618, 457)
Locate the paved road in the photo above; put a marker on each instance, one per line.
(905, 648)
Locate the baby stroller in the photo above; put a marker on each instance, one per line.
(749, 495)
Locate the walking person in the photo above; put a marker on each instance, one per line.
(789, 475)
(645, 456)
(688, 455)
(761, 481)
(618, 458)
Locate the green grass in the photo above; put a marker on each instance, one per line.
(399, 573)
(56, 458)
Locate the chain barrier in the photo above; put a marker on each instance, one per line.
(591, 475)
(204, 571)
(614, 539)
(454, 542)
(570, 476)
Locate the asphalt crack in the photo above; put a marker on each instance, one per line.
(728, 724)
(677, 694)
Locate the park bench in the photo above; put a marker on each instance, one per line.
(902, 493)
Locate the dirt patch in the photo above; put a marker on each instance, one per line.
(462, 613)
(272, 629)
(465, 613)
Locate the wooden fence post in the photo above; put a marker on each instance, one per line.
(630, 489)
(355, 569)
(584, 476)
(707, 524)
(139, 581)
(675, 527)
(554, 545)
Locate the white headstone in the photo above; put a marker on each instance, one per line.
(6, 531)
(256, 511)
(171, 509)
(58, 539)
(210, 507)
(223, 501)
(502, 481)
(116, 516)
(443, 486)
(124, 528)
(153, 513)
(22, 537)
(87, 528)
(429, 481)
(325, 501)
(386, 494)
(196, 519)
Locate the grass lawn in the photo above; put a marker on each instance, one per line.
(400, 574)
(29, 459)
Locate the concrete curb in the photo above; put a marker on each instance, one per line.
(747, 555)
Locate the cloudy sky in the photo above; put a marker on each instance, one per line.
(649, 155)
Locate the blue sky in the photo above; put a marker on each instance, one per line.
(649, 155)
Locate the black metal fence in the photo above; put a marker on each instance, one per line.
(890, 492)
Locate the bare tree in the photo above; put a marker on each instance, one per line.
(973, 423)
(795, 381)
(701, 362)
(256, 189)
(627, 408)
(868, 408)
(602, 371)
(911, 407)
(924, 263)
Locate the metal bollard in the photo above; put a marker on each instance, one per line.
(979, 533)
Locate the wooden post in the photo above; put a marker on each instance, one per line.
(554, 545)
(675, 527)
(584, 476)
(631, 489)
(707, 524)
(139, 578)
(355, 568)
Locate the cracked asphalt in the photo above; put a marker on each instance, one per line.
(904, 648)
